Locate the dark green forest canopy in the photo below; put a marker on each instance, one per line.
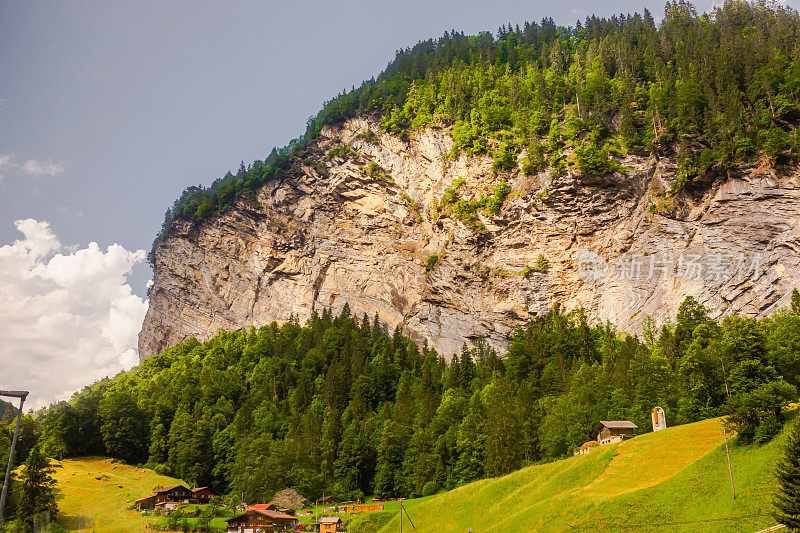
(342, 406)
(711, 89)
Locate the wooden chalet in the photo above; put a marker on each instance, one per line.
(148, 502)
(256, 521)
(203, 495)
(611, 431)
(329, 524)
(173, 493)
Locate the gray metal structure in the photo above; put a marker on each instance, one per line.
(21, 394)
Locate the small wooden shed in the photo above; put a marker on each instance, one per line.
(329, 524)
(611, 431)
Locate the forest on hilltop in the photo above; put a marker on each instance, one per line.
(342, 406)
(711, 90)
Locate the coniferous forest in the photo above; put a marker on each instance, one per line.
(342, 406)
(711, 90)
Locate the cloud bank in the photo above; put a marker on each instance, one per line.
(67, 317)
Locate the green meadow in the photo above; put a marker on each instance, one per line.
(673, 480)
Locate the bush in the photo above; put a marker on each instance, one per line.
(775, 142)
(430, 488)
(451, 193)
(368, 135)
(534, 160)
(505, 158)
(374, 170)
(499, 195)
(173, 519)
(342, 151)
(767, 430)
(430, 263)
(593, 160)
(542, 264)
(757, 416)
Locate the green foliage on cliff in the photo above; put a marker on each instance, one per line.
(716, 88)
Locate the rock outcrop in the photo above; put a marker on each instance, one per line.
(338, 231)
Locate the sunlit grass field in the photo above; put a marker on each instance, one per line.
(673, 480)
(98, 493)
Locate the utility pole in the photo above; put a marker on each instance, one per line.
(403, 510)
(730, 469)
(21, 395)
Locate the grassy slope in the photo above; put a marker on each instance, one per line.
(105, 500)
(673, 480)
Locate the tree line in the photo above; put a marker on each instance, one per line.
(342, 406)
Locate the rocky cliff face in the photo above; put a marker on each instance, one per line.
(341, 231)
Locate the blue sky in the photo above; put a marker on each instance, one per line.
(108, 109)
(124, 104)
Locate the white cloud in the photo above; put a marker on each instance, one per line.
(4, 161)
(30, 167)
(66, 319)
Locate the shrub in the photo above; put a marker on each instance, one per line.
(499, 195)
(534, 160)
(542, 264)
(451, 193)
(374, 170)
(342, 151)
(758, 415)
(593, 160)
(367, 135)
(431, 262)
(430, 488)
(775, 142)
(505, 158)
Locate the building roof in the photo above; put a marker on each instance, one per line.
(171, 487)
(615, 424)
(261, 507)
(277, 514)
(330, 520)
(270, 513)
(589, 444)
(146, 498)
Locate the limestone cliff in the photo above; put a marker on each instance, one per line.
(338, 230)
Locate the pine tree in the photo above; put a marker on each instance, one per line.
(796, 302)
(37, 486)
(787, 497)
